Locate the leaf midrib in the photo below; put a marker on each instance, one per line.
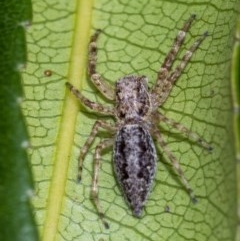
(67, 126)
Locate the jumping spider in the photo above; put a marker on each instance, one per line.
(137, 119)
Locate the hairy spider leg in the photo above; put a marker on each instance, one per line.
(179, 69)
(106, 89)
(98, 124)
(94, 193)
(192, 135)
(175, 165)
(170, 58)
(92, 105)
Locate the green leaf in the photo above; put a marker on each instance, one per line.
(135, 39)
(16, 219)
(236, 105)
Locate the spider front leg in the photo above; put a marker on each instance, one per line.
(102, 86)
(92, 105)
(167, 87)
(170, 58)
(166, 78)
(175, 164)
(98, 124)
(102, 145)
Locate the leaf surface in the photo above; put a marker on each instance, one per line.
(16, 184)
(136, 37)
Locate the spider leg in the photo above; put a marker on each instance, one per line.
(98, 124)
(168, 61)
(178, 42)
(92, 105)
(102, 145)
(106, 89)
(192, 135)
(167, 87)
(175, 165)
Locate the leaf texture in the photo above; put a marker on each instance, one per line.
(136, 36)
(16, 184)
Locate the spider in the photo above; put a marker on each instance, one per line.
(137, 118)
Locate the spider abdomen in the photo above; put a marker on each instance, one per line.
(135, 164)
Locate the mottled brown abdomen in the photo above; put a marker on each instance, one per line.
(135, 164)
